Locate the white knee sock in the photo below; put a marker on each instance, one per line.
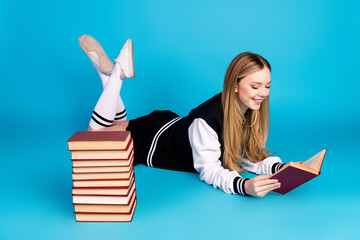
(106, 108)
(120, 109)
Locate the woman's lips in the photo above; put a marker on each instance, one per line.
(257, 101)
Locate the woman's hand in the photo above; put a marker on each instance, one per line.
(259, 186)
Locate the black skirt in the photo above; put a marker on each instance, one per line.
(143, 131)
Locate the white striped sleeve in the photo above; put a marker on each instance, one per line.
(268, 166)
(206, 153)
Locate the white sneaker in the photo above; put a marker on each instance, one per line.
(126, 59)
(96, 54)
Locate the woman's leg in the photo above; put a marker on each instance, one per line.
(117, 126)
(105, 109)
(105, 112)
(103, 66)
(120, 109)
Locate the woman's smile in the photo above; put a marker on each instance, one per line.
(258, 101)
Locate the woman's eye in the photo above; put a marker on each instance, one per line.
(258, 88)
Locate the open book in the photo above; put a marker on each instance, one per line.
(295, 174)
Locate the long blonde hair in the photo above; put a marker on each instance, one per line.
(244, 135)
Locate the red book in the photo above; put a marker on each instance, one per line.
(99, 140)
(121, 153)
(295, 174)
(94, 176)
(104, 182)
(104, 199)
(106, 208)
(103, 169)
(102, 162)
(104, 191)
(106, 217)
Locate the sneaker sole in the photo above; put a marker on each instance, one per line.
(89, 44)
(131, 67)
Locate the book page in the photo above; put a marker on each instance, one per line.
(313, 161)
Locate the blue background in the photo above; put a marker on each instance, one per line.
(182, 50)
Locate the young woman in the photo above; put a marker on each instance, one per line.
(221, 138)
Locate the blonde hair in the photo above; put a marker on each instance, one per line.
(243, 135)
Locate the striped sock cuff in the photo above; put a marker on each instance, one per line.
(276, 167)
(239, 186)
(121, 116)
(98, 119)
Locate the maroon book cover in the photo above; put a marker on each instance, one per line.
(292, 177)
(99, 136)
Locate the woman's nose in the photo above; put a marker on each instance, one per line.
(263, 92)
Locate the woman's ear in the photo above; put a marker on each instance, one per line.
(236, 88)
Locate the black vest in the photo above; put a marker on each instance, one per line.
(173, 149)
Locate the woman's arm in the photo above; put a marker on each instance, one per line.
(268, 166)
(206, 153)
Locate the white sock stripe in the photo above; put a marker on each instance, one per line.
(100, 123)
(155, 139)
(101, 117)
(121, 113)
(121, 117)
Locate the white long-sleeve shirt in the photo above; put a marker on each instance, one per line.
(206, 151)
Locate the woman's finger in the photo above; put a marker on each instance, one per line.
(265, 182)
(261, 177)
(268, 187)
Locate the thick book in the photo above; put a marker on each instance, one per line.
(106, 217)
(121, 153)
(294, 174)
(105, 191)
(94, 176)
(80, 199)
(108, 169)
(106, 208)
(98, 140)
(125, 162)
(104, 182)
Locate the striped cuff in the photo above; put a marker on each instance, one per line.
(239, 186)
(120, 115)
(276, 167)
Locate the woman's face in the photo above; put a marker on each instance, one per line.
(253, 89)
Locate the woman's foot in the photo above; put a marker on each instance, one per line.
(126, 60)
(96, 54)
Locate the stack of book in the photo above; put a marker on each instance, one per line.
(103, 176)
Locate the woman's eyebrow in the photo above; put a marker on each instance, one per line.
(261, 82)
